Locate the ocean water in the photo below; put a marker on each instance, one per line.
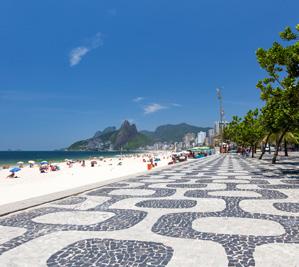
(12, 157)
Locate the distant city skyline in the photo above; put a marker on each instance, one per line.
(69, 69)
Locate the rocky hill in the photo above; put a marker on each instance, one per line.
(127, 137)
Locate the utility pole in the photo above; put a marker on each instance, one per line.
(221, 111)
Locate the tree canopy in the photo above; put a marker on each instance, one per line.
(280, 92)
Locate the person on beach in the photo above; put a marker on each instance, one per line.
(54, 168)
(13, 172)
(83, 163)
(43, 169)
(12, 175)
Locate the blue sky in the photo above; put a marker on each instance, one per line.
(71, 67)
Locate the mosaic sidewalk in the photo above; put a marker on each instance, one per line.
(220, 211)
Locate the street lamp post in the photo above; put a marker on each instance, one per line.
(221, 111)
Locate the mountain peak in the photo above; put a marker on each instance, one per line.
(126, 132)
(125, 123)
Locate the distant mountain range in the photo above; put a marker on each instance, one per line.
(127, 137)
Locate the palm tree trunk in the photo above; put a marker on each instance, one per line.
(264, 146)
(252, 151)
(286, 148)
(278, 142)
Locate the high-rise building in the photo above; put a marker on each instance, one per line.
(217, 126)
(201, 136)
(189, 139)
(211, 134)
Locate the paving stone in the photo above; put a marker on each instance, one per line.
(112, 253)
(212, 200)
(289, 207)
(167, 203)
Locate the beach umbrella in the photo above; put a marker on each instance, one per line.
(21, 164)
(44, 162)
(31, 161)
(15, 169)
(94, 162)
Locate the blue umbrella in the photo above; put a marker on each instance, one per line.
(15, 169)
(44, 162)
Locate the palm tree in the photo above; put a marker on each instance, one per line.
(292, 138)
(271, 138)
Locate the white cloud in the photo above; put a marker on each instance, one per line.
(153, 108)
(97, 40)
(79, 52)
(176, 105)
(138, 99)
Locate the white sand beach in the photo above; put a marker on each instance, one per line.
(31, 183)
